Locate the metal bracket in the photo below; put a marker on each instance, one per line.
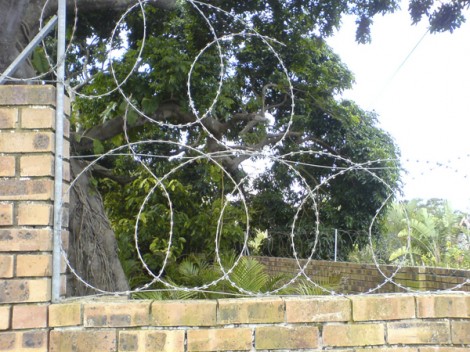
(29, 48)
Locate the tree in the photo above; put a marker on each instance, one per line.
(20, 18)
(254, 85)
(427, 234)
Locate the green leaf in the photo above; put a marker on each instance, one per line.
(108, 112)
(149, 105)
(39, 61)
(132, 117)
(98, 147)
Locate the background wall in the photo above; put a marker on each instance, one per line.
(360, 278)
(30, 322)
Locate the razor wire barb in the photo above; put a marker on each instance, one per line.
(289, 160)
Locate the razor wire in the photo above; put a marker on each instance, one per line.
(310, 198)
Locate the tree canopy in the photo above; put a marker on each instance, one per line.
(263, 87)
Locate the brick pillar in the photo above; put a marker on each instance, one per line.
(27, 122)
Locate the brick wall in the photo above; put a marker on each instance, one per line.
(29, 322)
(360, 278)
(27, 148)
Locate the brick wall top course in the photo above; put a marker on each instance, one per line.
(16, 95)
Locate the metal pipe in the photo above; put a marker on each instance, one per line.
(336, 244)
(59, 144)
(29, 48)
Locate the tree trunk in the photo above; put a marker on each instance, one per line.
(93, 250)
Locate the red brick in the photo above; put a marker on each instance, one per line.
(78, 341)
(29, 317)
(12, 240)
(27, 142)
(288, 338)
(5, 317)
(35, 214)
(6, 214)
(6, 266)
(7, 165)
(220, 339)
(121, 314)
(37, 189)
(8, 118)
(33, 265)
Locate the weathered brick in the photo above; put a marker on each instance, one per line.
(6, 214)
(317, 309)
(6, 266)
(35, 214)
(27, 291)
(116, 314)
(443, 349)
(66, 150)
(8, 341)
(13, 240)
(65, 314)
(383, 307)
(7, 166)
(220, 339)
(37, 189)
(27, 95)
(33, 265)
(418, 332)
(184, 313)
(443, 306)
(461, 332)
(37, 165)
(29, 317)
(23, 341)
(280, 337)
(8, 118)
(353, 335)
(5, 317)
(151, 341)
(36, 118)
(253, 310)
(26, 142)
(75, 341)
(387, 349)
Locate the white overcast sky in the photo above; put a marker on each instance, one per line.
(423, 102)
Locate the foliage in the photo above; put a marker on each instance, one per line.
(196, 272)
(427, 233)
(254, 84)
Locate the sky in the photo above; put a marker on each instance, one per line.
(419, 84)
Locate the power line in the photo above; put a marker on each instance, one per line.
(398, 69)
